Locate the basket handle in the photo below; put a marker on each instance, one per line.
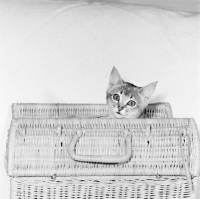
(100, 159)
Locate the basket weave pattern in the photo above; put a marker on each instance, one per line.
(125, 187)
(156, 110)
(66, 151)
(39, 150)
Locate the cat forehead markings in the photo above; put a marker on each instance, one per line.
(125, 89)
(128, 91)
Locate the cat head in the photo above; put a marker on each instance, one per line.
(125, 100)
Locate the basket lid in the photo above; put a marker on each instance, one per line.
(62, 147)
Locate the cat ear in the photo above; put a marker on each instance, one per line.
(148, 90)
(115, 77)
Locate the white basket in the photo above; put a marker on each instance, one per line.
(51, 156)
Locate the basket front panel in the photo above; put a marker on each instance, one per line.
(124, 187)
(40, 151)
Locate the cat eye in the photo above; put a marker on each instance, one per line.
(116, 97)
(131, 103)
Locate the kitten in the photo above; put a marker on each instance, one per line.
(125, 100)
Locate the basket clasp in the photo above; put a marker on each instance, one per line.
(148, 133)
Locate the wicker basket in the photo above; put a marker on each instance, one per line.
(103, 158)
(50, 156)
(156, 110)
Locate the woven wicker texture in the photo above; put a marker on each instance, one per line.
(124, 187)
(156, 110)
(40, 147)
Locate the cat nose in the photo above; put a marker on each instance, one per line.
(120, 108)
